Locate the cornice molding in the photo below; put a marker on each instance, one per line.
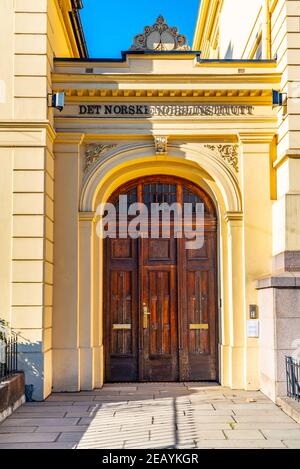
(288, 154)
(28, 127)
(218, 94)
(259, 137)
(179, 78)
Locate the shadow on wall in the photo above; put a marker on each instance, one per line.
(229, 52)
(31, 361)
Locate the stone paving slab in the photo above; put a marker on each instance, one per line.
(26, 422)
(244, 435)
(292, 444)
(262, 418)
(9, 429)
(38, 415)
(266, 425)
(62, 429)
(71, 436)
(158, 415)
(282, 434)
(45, 409)
(28, 437)
(60, 445)
(241, 444)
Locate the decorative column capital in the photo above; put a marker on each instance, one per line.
(87, 217)
(264, 137)
(233, 216)
(72, 138)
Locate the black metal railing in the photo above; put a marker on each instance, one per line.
(293, 378)
(8, 353)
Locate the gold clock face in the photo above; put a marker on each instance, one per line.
(153, 40)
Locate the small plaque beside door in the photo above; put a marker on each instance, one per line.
(198, 327)
(253, 328)
(121, 327)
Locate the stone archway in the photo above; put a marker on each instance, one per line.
(210, 173)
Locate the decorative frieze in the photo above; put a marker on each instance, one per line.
(161, 145)
(229, 153)
(94, 152)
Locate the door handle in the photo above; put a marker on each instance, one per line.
(146, 313)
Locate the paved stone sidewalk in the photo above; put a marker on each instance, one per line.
(151, 416)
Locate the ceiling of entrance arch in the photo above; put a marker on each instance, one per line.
(111, 26)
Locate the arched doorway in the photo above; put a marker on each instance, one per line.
(160, 299)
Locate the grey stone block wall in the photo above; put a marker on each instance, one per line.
(279, 311)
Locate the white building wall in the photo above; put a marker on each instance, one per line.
(236, 21)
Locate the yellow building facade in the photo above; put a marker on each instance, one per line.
(163, 109)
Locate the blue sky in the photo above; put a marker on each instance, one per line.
(110, 25)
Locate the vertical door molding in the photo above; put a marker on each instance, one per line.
(236, 292)
(86, 299)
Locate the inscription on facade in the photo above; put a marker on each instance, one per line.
(167, 110)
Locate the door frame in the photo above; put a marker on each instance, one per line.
(180, 316)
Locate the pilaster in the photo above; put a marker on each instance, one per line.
(256, 179)
(86, 298)
(236, 346)
(66, 356)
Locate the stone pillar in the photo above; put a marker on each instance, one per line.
(279, 303)
(255, 179)
(66, 356)
(86, 299)
(32, 264)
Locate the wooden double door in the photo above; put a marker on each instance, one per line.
(160, 298)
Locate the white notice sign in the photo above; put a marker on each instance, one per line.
(253, 328)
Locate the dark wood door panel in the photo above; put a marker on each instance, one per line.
(202, 313)
(202, 368)
(197, 312)
(159, 251)
(160, 346)
(160, 307)
(121, 305)
(120, 310)
(122, 249)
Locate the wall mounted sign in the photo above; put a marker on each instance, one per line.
(164, 110)
(253, 328)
